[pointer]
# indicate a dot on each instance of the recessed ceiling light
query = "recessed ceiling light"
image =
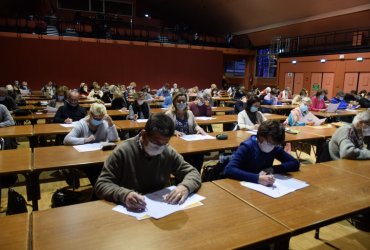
(359, 59)
(294, 61)
(323, 60)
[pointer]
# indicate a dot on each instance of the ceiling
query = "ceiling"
(252, 16)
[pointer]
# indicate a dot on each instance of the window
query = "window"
(120, 7)
(235, 68)
(265, 63)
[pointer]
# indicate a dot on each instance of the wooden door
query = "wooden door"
(364, 82)
(316, 79)
(350, 82)
(298, 83)
(289, 77)
(328, 83)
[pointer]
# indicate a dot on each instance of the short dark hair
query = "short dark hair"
(160, 123)
(272, 129)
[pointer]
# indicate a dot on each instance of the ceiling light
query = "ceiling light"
(294, 61)
(147, 15)
(359, 59)
(323, 60)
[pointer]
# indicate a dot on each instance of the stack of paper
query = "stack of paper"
(204, 118)
(196, 137)
(68, 125)
(89, 147)
(141, 120)
(156, 206)
(282, 186)
(312, 118)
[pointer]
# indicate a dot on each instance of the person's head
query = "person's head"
(303, 93)
(362, 122)
(320, 94)
(202, 98)
(305, 103)
(3, 93)
(273, 93)
(287, 88)
(242, 90)
(97, 113)
(62, 93)
(146, 88)
(268, 90)
(112, 89)
(362, 93)
(132, 85)
(213, 86)
(24, 84)
(270, 134)
(179, 102)
(340, 95)
(9, 87)
(253, 104)
(73, 97)
(139, 98)
(157, 133)
(175, 85)
(117, 94)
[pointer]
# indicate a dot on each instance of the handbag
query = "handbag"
(16, 203)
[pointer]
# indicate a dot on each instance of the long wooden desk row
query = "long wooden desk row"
(232, 216)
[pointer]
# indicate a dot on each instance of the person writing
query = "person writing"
(250, 118)
(144, 164)
(253, 160)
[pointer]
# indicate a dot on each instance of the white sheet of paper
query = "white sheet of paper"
(51, 109)
(312, 118)
(68, 125)
(253, 132)
(267, 114)
(88, 147)
(157, 208)
(141, 120)
(196, 137)
(204, 118)
(283, 185)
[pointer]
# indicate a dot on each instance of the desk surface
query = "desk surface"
(279, 107)
(15, 161)
(312, 132)
(353, 166)
(14, 232)
(223, 222)
(335, 114)
(50, 129)
(331, 196)
(16, 131)
(55, 157)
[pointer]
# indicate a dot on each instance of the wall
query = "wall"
(70, 62)
(311, 64)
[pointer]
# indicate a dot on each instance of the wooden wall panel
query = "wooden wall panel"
(328, 83)
(298, 83)
(364, 82)
(350, 82)
(316, 78)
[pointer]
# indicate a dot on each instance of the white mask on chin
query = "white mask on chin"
(266, 147)
(366, 131)
(153, 149)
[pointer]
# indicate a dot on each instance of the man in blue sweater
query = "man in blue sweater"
(339, 98)
(254, 158)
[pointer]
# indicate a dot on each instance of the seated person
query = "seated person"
(201, 107)
(108, 94)
(7, 100)
(250, 118)
(239, 93)
(339, 98)
(271, 99)
(365, 100)
(61, 96)
(240, 104)
(96, 93)
(6, 118)
(285, 94)
(298, 98)
(147, 96)
(348, 140)
(49, 89)
(118, 101)
(83, 90)
(298, 113)
(71, 111)
(167, 102)
(24, 89)
(126, 175)
(164, 91)
(185, 124)
(96, 127)
(351, 96)
(318, 101)
(139, 109)
(254, 158)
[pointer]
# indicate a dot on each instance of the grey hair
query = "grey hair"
(363, 116)
(306, 100)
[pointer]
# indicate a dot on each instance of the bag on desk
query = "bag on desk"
(16, 203)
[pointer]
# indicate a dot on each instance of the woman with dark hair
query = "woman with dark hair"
(318, 101)
(250, 118)
(139, 109)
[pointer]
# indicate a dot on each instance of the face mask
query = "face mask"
(60, 97)
(140, 102)
(254, 109)
(200, 103)
(2, 98)
(266, 147)
(96, 122)
(181, 106)
(153, 149)
(303, 108)
(340, 98)
(322, 97)
(366, 131)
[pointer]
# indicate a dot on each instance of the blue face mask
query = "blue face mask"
(181, 106)
(96, 122)
(303, 108)
(253, 109)
(200, 103)
(341, 98)
(322, 97)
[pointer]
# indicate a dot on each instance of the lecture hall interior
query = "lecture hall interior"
(84, 83)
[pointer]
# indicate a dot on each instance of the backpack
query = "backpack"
(16, 203)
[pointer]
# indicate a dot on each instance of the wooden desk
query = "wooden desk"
(129, 124)
(50, 129)
(118, 113)
(315, 132)
(15, 161)
(16, 131)
(214, 109)
(218, 119)
(279, 107)
(360, 167)
(275, 117)
(332, 196)
(335, 114)
(223, 222)
(15, 232)
(220, 98)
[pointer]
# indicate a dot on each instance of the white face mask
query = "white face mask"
(266, 147)
(366, 131)
(153, 149)
(140, 102)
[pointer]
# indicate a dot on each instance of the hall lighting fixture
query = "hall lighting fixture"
(359, 59)
(294, 61)
(323, 60)
(147, 15)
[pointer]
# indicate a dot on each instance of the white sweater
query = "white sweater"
(245, 123)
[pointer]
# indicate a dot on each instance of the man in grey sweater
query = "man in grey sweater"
(348, 141)
(143, 164)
